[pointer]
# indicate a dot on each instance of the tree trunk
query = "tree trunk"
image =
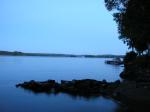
(148, 49)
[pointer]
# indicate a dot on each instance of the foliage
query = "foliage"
(133, 19)
(137, 68)
(129, 57)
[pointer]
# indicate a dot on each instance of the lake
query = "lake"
(18, 69)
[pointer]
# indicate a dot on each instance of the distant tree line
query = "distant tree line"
(133, 19)
(18, 53)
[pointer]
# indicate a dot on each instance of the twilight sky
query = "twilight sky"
(58, 26)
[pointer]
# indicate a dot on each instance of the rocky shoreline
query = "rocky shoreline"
(125, 92)
(85, 87)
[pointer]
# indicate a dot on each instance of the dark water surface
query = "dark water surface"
(14, 70)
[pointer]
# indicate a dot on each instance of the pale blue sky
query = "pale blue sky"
(58, 26)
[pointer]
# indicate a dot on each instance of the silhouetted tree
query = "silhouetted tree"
(133, 19)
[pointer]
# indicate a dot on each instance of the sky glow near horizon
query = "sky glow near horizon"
(58, 26)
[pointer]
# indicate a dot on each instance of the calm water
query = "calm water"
(14, 70)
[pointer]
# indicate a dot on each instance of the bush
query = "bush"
(129, 57)
(136, 67)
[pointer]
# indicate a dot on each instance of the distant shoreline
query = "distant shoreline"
(17, 53)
